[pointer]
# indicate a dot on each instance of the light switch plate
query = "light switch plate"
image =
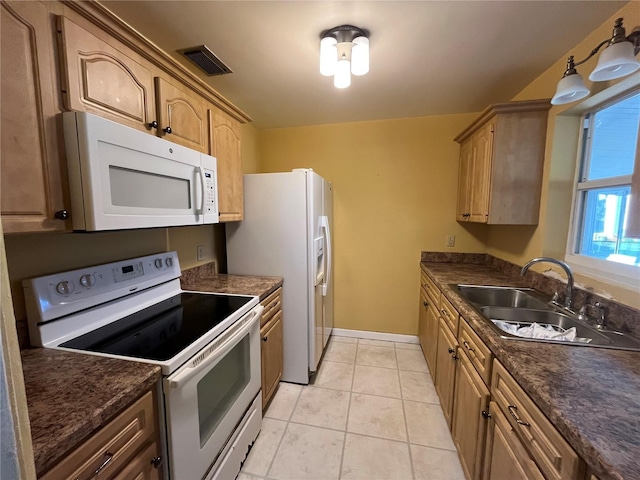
(200, 253)
(451, 241)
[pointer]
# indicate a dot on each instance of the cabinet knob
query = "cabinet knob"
(425, 304)
(451, 350)
(486, 414)
(153, 124)
(62, 215)
(265, 338)
(167, 130)
(156, 462)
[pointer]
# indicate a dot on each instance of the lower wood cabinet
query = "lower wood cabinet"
(505, 455)
(271, 348)
(126, 448)
(446, 360)
(470, 414)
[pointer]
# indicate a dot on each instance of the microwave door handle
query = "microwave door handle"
(183, 375)
(200, 209)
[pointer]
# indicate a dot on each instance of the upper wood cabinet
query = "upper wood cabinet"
(33, 177)
(104, 77)
(501, 162)
(182, 116)
(226, 147)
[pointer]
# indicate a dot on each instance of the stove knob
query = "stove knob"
(158, 263)
(64, 288)
(87, 280)
(169, 261)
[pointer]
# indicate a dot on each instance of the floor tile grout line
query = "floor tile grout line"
(275, 453)
(406, 426)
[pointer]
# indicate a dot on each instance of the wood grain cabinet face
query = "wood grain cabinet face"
(271, 345)
(122, 449)
(501, 161)
(105, 78)
(447, 358)
(505, 456)
(469, 423)
(226, 147)
(428, 332)
(182, 116)
(33, 187)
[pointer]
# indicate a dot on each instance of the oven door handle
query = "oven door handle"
(187, 372)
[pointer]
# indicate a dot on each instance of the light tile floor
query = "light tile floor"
(372, 413)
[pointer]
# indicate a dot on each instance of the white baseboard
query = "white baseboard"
(389, 337)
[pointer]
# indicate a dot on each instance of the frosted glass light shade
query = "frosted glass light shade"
(342, 78)
(328, 56)
(615, 61)
(360, 56)
(570, 89)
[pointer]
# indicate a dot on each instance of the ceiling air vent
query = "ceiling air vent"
(206, 60)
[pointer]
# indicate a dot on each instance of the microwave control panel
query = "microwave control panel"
(210, 192)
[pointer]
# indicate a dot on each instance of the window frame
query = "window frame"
(608, 271)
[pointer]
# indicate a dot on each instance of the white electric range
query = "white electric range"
(207, 345)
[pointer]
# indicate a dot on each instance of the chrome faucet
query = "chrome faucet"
(567, 270)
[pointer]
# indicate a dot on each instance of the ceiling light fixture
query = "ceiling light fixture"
(344, 51)
(616, 60)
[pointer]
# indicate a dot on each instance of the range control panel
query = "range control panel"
(64, 293)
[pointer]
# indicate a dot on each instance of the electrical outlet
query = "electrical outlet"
(200, 252)
(451, 240)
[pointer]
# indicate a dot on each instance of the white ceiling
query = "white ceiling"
(427, 57)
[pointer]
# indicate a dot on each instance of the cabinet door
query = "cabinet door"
(464, 182)
(182, 116)
(422, 321)
(505, 456)
(447, 357)
(481, 174)
(33, 187)
(141, 467)
(271, 354)
(430, 346)
(469, 423)
(226, 147)
(102, 77)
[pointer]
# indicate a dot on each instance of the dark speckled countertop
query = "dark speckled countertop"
(591, 395)
(71, 395)
(204, 279)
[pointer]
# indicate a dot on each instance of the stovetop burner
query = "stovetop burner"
(163, 330)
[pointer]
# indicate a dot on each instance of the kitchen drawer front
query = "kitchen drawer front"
(554, 456)
(432, 291)
(479, 354)
(449, 315)
(271, 305)
(112, 447)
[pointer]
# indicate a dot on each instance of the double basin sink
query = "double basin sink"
(509, 311)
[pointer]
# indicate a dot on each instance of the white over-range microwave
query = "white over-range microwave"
(122, 178)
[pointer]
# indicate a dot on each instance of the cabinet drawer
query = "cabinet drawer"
(449, 315)
(430, 288)
(113, 446)
(554, 456)
(479, 354)
(271, 305)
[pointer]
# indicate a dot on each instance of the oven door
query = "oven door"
(207, 397)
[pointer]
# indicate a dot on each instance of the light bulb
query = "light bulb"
(328, 56)
(342, 78)
(360, 56)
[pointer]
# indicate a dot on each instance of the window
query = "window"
(598, 242)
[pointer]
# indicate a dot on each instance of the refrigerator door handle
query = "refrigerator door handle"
(324, 223)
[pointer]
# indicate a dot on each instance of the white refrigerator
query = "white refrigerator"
(286, 232)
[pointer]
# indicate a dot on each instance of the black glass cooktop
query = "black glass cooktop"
(163, 330)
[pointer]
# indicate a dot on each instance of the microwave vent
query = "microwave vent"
(206, 60)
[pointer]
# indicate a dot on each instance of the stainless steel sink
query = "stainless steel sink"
(502, 297)
(524, 306)
(559, 322)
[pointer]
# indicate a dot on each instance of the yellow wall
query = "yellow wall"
(395, 184)
(520, 244)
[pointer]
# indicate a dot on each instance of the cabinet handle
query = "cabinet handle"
(451, 350)
(265, 338)
(104, 464)
(153, 124)
(512, 410)
(466, 345)
(445, 313)
(486, 414)
(156, 462)
(167, 130)
(426, 304)
(62, 215)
